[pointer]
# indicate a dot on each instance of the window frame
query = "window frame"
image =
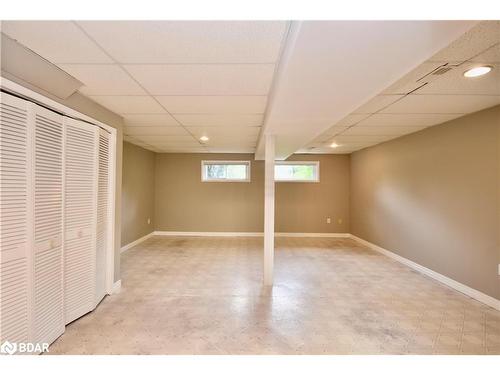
(299, 162)
(248, 163)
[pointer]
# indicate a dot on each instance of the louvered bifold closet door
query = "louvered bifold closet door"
(48, 317)
(80, 202)
(14, 220)
(103, 207)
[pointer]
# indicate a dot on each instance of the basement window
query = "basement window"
(296, 171)
(225, 171)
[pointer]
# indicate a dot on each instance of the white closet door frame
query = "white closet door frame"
(34, 96)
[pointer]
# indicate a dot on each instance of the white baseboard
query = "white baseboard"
(136, 242)
(117, 287)
(328, 235)
(249, 234)
(208, 234)
(473, 293)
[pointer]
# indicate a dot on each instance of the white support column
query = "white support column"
(269, 211)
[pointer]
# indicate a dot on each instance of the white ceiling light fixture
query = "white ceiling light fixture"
(334, 145)
(478, 71)
(204, 138)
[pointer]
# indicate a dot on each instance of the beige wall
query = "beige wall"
(90, 108)
(138, 192)
(433, 197)
(305, 207)
(184, 203)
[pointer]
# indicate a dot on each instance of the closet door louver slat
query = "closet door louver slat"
(14, 221)
(103, 207)
(48, 312)
(80, 218)
(55, 228)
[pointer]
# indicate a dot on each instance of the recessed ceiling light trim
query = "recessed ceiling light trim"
(478, 71)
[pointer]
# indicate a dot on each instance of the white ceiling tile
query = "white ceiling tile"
(349, 120)
(231, 149)
(129, 104)
(225, 131)
(220, 120)
(138, 143)
(146, 119)
(322, 138)
(415, 78)
(453, 82)
(177, 144)
(382, 130)
(57, 41)
(317, 144)
(202, 79)
(132, 140)
(165, 138)
(377, 103)
(234, 138)
(189, 41)
(214, 104)
(491, 55)
(235, 144)
(103, 79)
(476, 40)
(154, 130)
(182, 150)
(412, 119)
(327, 150)
(340, 126)
(442, 104)
(359, 139)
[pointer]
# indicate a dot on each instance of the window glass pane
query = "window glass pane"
(225, 171)
(296, 172)
(236, 172)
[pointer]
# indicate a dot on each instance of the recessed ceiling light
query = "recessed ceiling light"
(334, 145)
(204, 138)
(477, 71)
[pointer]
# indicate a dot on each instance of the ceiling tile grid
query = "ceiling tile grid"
(421, 98)
(103, 79)
(169, 78)
(204, 79)
(189, 42)
(193, 104)
(190, 79)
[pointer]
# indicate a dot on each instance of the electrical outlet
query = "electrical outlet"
(328, 220)
(149, 220)
(339, 221)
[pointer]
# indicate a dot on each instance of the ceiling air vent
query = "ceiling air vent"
(441, 70)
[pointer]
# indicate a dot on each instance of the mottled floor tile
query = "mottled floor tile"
(204, 295)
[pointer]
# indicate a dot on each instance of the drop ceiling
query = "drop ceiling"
(310, 83)
(420, 98)
(172, 82)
